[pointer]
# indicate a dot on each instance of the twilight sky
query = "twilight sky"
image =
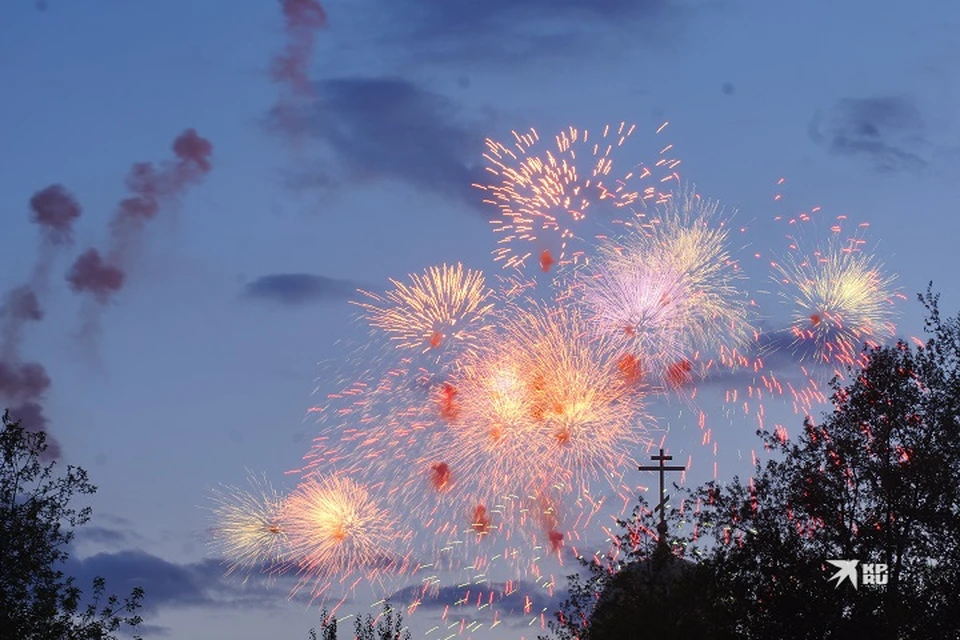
(202, 361)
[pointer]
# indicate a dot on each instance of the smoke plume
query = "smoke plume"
(24, 384)
(303, 18)
(101, 276)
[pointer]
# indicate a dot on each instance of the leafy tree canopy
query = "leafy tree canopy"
(387, 626)
(878, 481)
(37, 522)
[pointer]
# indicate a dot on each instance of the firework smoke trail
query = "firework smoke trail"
(336, 529)
(840, 298)
(302, 18)
(543, 193)
(247, 531)
(151, 187)
(442, 310)
(669, 291)
(290, 68)
(55, 210)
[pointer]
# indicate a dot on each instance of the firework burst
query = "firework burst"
(543, 191)
(668, 289)
(543, 405)
(443, 307)
(335, 529)
(247, 529)
(839, 296)
(518, 446)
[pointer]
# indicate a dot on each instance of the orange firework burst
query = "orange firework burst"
(542, 404)
(445, 305)
(335, 528)
(247, 529)
(542, 191)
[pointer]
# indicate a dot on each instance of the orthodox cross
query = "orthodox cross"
(662, 506)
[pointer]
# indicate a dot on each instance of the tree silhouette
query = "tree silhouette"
(387, 626)
(878, 482)
(37, 601)
(642, 589)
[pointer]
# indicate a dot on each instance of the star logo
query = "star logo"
(847, 570)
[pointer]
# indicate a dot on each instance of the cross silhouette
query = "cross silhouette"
(662, 506)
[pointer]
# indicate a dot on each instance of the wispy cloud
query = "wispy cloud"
(104, 535)
(154, 631)
(517, 30)
(887, 132)
(388, 129)
(294, 289)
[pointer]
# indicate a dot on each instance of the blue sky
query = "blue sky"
(204, 366)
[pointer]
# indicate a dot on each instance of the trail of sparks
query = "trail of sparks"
(542, 194)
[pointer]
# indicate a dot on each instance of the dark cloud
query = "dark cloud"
(885, 131)
(110, 531)
(517, 29)
(298, 288)
(167, 584)
(513, 602)
(388, 129)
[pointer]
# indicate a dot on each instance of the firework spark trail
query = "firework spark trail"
(544, 193)
(54, 210)
(442, 310)
(103, 276)
(376, 428)
(668, 289)
(337, 529)
(247, 531)
(383, 431)
(302, 18)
